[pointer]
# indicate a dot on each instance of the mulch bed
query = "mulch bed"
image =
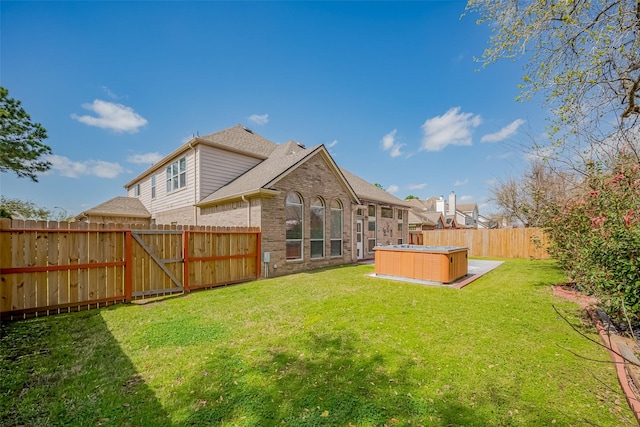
(627, 371)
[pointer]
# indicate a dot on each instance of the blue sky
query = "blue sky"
(390, 88)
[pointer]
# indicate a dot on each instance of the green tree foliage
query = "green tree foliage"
(411, 196)
(21, 147)
(596, 236)
(16, 208)
(584, 55)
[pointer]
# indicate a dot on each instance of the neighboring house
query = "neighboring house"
(455, 216)
(421, 218)
(467, 214)
(487, 223)
(311, 212)
(122, 210)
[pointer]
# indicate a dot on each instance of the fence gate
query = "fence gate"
(47, 268)
(157, 262)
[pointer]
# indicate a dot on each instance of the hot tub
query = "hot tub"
(443, 264)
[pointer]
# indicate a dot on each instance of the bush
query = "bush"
(596, 238)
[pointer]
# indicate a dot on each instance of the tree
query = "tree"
(528, 200)
(23, 209)
(21, 147)
(411, 196)
(379, 186)
(585, 57)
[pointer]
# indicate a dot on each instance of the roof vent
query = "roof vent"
(247, 129)
(301, 145)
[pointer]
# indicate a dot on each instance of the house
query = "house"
(123, 210)
(421, 218)
(311, 212)
(455, 215)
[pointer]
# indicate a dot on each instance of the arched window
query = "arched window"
(317, 228)
(294, 209)
(336, 228)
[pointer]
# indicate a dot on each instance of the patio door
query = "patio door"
(359, 243)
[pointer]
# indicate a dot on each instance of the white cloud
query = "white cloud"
(117, 117)
(389, 140)
(109, 93)
(393, 189)
(465, 198)
(67, 167)
(452, 128)
(417, 186)
(332, 143)
(145, 159)
(492, 181)
(458, 183)
(389, 143)
(259, 119)
(505, 132)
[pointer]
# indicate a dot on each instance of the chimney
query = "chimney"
(440, 206)
(452, 204)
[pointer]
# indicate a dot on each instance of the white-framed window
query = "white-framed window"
(400, 226)
(400, 213)
(177, 175)
(153, 186)
(294, 208)
(136, 190)
(317, 228)
(337, 226)
(386, 212)
(371, 244)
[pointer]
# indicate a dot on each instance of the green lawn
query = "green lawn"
(331, 347)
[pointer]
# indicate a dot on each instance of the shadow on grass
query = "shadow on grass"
(69, 370)
(328, 382)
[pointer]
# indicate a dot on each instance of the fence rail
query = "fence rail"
(500, 243)
(49, 267)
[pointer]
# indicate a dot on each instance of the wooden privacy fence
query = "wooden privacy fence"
(47, 268)
(498, 243)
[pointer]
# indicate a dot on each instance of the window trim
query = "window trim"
(300, 241)
(339, 208)
(153, 186)
(313, 206)
(386, 212)
(176, 175)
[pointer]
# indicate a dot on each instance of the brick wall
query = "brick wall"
(182, 216)
(311, 179)
(232, 214)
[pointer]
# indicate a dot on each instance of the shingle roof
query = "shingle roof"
(120, 206)
(466, 207)
(262, 176)
(236, 138)
(368, 191)
(418, 218)
(239, 138)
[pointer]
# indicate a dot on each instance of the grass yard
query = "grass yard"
(331, 347)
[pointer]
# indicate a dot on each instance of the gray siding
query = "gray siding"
(219, 167)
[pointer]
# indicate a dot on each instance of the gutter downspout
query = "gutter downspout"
(248, 209)
(195, 184)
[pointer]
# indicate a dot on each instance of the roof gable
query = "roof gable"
(284, 159)
(237, 139)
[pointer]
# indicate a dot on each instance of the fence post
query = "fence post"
(185, 261)
(128, 265)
